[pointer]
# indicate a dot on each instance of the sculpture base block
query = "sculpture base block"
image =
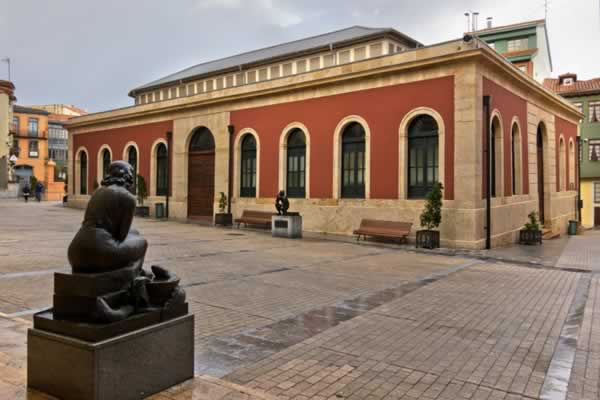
(286, 226)
(128, 367)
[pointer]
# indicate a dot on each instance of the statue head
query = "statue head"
(120, 173)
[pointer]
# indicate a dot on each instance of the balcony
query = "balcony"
(32, 133)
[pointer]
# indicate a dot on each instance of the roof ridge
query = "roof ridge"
(269, 47)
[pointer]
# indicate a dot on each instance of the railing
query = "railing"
(32, 133)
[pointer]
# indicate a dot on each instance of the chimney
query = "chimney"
(489, 22)
(468, 15)
(475, 21)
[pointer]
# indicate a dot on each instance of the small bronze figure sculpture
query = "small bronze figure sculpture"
(107, 249)
(282, 204)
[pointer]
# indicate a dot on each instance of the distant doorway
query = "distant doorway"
(540, 171)
(201, 174)
(23, 174)
(597, 217)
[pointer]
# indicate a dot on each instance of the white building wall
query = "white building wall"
(542, 67)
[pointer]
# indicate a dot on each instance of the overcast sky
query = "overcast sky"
(90, 53)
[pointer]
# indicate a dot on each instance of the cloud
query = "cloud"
(276, 14)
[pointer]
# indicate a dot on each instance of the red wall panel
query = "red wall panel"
(142, 135)
(569, 131)
(510, 105)
(382, 108)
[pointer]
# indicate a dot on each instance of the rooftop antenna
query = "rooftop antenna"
(546, 10)
(468, 15)
(475, 21)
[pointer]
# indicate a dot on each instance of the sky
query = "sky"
(90, 53)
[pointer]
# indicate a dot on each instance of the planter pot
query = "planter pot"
(223, 219)
(142, 211)
(530, 237)
(428, 239)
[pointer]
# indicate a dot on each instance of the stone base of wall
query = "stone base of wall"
(461, 227)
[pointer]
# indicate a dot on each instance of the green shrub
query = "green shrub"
(431, 217)
(142, 189)
(222, 202)
(533, 224)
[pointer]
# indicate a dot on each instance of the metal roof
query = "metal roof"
(281, 51)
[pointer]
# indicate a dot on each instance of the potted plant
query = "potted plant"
(223, 218)
(142, 193)
(531, 232)
(431, 218)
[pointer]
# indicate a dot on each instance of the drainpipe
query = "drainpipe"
(579, 201)
(231, 130)
(169, 147)
(488, 184)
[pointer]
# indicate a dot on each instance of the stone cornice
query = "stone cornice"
(427, 57)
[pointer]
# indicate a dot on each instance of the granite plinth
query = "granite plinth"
(94, 332)
(127, 367)
(286, 226)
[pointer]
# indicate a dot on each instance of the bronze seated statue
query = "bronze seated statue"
(107, 258)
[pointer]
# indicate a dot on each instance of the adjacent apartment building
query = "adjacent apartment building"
(585, 96)
(30, 147)
(357, 123)
(525, 44)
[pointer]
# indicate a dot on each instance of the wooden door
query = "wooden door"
(597, 216)
(201, 184)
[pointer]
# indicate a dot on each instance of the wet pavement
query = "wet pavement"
(327, 319)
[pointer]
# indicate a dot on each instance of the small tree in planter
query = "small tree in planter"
(142, 194)
(531, 232)
(431, 218)
(222, 217)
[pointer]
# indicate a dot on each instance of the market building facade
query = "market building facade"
(357, 124)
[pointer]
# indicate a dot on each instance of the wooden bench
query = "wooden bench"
(385, 229)
(251, 217)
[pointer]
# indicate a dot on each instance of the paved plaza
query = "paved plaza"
(332, 319)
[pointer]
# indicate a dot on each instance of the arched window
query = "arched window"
(132, 160)
(162, 160)
(83, 172)
(105, 162)
(516, 163)
(571, 165)
(353, 161)
(562, 179)
(202, 140)
(248, 173)
(296, 164)
(496, 158)
(423, 160)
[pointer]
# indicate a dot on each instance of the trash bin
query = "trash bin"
(572, 228)
(159, 210)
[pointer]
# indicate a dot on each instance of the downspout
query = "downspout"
(579, 159)
(231, 130)
(169, 147)
(488, 182)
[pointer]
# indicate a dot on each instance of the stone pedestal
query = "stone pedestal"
(286, 226)
(128, 367)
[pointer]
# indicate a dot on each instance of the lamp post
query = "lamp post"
(169, 150)
(487, 100)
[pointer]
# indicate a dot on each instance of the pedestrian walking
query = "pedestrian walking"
(26, 192)
(39, 190)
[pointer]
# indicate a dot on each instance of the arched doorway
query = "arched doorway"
(540, 170)
(201, 174)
